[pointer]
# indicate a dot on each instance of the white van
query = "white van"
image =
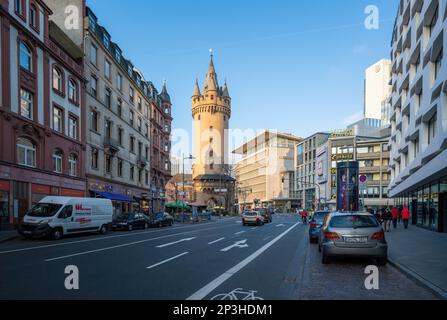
(59, 216)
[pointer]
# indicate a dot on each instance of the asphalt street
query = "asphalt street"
(217, 260)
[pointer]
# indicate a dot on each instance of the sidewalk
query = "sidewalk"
(421, 254)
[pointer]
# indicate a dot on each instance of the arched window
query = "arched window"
(57, 79)
(26, 152)
(73, 165)
(72, 90)
(33, 16)
(57, 161)
(25, 56)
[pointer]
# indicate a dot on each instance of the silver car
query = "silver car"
(352, 234)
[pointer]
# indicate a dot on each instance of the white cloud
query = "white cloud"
(353, 118)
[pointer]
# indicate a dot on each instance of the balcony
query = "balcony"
(111, 145)
(142, 162)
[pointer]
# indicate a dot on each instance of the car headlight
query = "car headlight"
(45, 221)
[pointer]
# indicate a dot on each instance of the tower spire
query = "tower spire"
(211, 77)
(196, 89)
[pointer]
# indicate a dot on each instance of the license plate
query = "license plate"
(27, 232)
(356, 239)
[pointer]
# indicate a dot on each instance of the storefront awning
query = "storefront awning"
(113, 196)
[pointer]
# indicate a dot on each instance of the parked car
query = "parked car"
(131, 221)
(347, 234)
(162, 219)
(252, 218)
(315, 224)
(58, 216)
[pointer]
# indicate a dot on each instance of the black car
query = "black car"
(130, 221)
(162, 219)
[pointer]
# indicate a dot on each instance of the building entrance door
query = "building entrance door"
(443, 212)
(414, 211)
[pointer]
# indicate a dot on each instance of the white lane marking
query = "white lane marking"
(254, 228)
(167, 260)
(126, 244)
(110, 237)
(238, 233)
(280, 225)
(175, 242)
(239, 244)
(206, 290)
(216, 241)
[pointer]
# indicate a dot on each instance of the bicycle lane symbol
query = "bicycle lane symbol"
(238, 294)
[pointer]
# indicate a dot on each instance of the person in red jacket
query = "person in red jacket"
(405, 216)
(395, 215)
(304, 216)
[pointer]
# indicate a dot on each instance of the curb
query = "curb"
(442, 294)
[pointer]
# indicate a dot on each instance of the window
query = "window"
(107, 70)
(106, 41)
(73, 165)
(131, 95)
(166, 110)
(94, 158)
(166, 128)
(26, 104)
(72, 127)
(19, 7)
(26, 152)
(120, 136)
(438, 64)
(108, 98)
(33, 16)
(57, 79)
(72, 91)
(108, 130)
(119, 107)
(57, 161)
(139, 124)
(25, 59)
(140, 104)
(57, 119)
(140, 174)
(132, 173)
(94, 86)
(416, 147)
(146, 177)
(117, 55)
(120, 168)
(93, 55)
(433, 22)
(108, 163)
(94, 119)
(132, 144)
(431, 128)
(147, 131)
(131, 117)
(119, 82)
(92, 23)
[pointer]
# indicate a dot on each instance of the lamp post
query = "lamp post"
(190, 157)
(153, 190)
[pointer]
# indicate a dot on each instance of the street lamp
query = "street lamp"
(190, 157)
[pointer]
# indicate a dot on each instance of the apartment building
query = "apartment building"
(265, 172)
(42, 122)
(306, 167)
(419, 111)
(121, 106)
(377, 88)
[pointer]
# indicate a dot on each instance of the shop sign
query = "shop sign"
(4, 185)
(40, 189)
(342, 133)
(343, 156)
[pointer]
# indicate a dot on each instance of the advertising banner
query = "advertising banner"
(348, 186)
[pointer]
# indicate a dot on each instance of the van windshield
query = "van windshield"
(44, 210)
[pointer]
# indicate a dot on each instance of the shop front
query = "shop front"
(4, 204)
(428, 205)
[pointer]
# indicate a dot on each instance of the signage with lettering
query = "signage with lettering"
(342, 133)
(342, 156)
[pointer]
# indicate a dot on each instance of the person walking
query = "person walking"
(386, 217)
(405, 216)
(304, 216)
(395, 216)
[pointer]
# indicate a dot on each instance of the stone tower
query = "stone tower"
(211, 112)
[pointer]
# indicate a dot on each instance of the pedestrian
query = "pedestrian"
(386, 217)
(405, 216)
(395, 216)
(304, 216)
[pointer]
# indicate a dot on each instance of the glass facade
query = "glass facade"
(428, 205)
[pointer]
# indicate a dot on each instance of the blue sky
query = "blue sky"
(291, 65)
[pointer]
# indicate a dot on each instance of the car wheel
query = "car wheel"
(325, 259)
(103, 229)
(130, 227)
(57, 234)
(382, 261)
(319, 247)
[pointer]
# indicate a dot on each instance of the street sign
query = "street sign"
(363, 178)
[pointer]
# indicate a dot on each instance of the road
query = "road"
(206, 261)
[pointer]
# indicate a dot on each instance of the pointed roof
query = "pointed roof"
(211, 83)
(225, 93)
(164, 95)
(196, 89)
